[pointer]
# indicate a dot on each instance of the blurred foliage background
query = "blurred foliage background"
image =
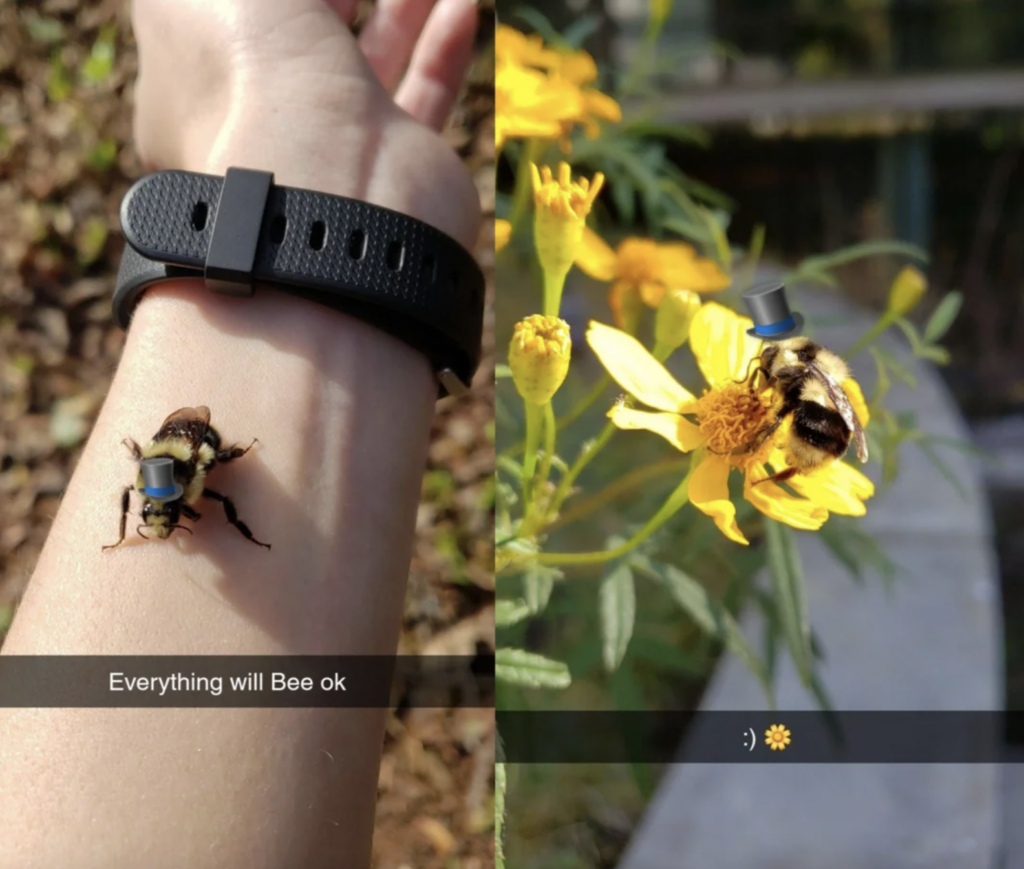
(66, 158)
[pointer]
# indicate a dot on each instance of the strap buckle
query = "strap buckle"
(231, 257)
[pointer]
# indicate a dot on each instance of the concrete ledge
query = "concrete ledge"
(933, 643)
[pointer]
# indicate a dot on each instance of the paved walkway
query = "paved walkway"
(933, 643)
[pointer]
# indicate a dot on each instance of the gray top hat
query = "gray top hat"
(158, 477)
(770, 312)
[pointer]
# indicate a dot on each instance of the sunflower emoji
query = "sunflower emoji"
(778, 737)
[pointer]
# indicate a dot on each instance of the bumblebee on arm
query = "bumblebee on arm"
(173, 468)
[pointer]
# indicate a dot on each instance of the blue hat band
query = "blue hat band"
(775, 328)
(160, 491)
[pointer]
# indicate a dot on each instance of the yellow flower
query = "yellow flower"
(502, 233)
(511, 46)
(539, 357)
(575, 68)
(907, 290)
(529, 103)
(727, 416)
(639, 266)
(562, 209)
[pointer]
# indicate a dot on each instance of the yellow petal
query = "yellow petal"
(709, 493)
(677, 430)
(856, 395)
(839, 488)
(502, 233)
(679, 267)
(720, 343)
(595, 257)
(636, 370)
(778, 504)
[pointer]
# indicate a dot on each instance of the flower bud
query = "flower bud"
(539, 357)
(562, 209)
(675, 314)
(907, 290)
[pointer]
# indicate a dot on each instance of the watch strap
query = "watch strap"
(241, 231)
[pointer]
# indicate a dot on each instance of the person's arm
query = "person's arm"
(342, 413)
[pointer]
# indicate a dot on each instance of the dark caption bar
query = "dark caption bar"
(195, 681)
(742, 737)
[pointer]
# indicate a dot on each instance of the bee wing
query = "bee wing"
(839, 398)
(189, 414)
(187, 423)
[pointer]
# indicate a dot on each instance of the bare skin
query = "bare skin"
(342, 414)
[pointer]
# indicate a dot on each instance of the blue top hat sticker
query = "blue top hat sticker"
(769, 309)
(158, 479)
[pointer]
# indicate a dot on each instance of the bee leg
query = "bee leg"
(133, 448)
(229, 511)
(235, 452)
(138, 530)
(182, 527)
(781, 476)
(190, 513)
(124, 517)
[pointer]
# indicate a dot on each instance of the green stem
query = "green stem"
(634, 479)
(675, 502)
(534, 423)
(886, 320)
(582, 407)
(553, 286)
(532, 153)
(549, 443)
(584, 459)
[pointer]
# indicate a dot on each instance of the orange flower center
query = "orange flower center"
(731, 416)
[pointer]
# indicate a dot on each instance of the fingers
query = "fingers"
(390, 35)
(439, 63)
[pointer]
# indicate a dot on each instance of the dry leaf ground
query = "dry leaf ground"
(66, 159)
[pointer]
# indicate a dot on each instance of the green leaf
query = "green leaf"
(510, 612)
(538, 583)
(936, 354)
(577, 33)
(687, 133)
(501, 371)
(103, 155)
(100, 62)
(519, 667)
(500, 786)
(790, 598)
(618, 614)
(943, 316)
(709, 614)
(826, 261)
(58, 80)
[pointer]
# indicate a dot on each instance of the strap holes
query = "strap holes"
(429, 269)
(317, 235)
(396, 255)
(200, 211)
(277, 228)
(357, 244)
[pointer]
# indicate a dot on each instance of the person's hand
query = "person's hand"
(284, 86)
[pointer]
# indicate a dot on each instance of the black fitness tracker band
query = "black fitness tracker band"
(242, 230)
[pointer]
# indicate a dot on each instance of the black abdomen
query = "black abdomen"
(821, 427)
